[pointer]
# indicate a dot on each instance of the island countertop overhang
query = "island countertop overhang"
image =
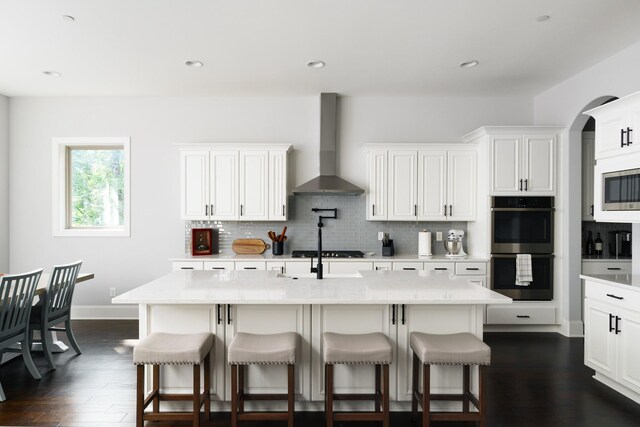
(269, 287)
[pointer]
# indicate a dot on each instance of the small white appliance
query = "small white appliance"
(453, 244)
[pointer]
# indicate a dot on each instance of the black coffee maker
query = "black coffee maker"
(620, 244)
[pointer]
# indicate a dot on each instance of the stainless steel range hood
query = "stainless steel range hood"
(328, 182)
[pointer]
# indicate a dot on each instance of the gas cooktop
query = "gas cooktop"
(327, 254)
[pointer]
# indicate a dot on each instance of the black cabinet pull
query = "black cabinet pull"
(250, 268)
(219, 313)
(228, 314)
(445, 210)
(415, 210)
(206, 210)
(523, 316)
(217, 268)
(526, 185)
(283, 210)
(617, 324)
(441, 269)
(614, 268)
(622, 132)
(629, 142)
(241, 210)
(186, 268)
(211, 209)
(450, 210)
(408, 268)
(520, 185)
(373, 210)
(611, 329)
(615, 296)
(591, 210)
(403, 314)
(393, 314)
(472, 269)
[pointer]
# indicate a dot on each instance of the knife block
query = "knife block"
(388, 249)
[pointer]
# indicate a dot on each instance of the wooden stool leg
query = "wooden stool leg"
(482, 396)
(328, 389)
(415, 370)
(196, 395)
(377, 388)
(241, 372)
(465, 388)
(234, 395)
(156, 388)
(207, 387)
(139, 395)
(426, 395)
(291, 391)
(385, 396)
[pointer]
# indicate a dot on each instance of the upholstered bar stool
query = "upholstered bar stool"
(262, 349)
(347, 349)
(173, 349)
(449, 349)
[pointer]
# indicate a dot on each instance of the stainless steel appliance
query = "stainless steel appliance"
(453, 244)
(522, 225)
(621, 190)
(620, 244)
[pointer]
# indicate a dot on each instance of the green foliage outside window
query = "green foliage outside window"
(96, 187)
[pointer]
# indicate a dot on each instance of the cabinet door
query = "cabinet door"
(273, 319)
(634, 124)
(433, 319)
(377, 175)
(588, 163)
(629, 350)
(277, 185)
(505, 164)
(403, 179)
(539, 164)
(599, 342)
(609, 136)
(224, 185)
(432, 189)
(194, 184)
(349, 319)
(461, 186)
(254, 185)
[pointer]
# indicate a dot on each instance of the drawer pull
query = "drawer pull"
(615, 296)
(186, 268)
(441, 268)
(250, 268)
(472, 269)
(614, 268)
(408, 268)
(217, 268)
(523, 316)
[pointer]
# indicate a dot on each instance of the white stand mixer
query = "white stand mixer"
(453, 244)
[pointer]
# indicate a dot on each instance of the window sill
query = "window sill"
(92, 232)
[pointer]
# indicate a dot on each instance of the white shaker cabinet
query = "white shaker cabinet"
(377, 179)
(588, 164)
(522, 159)
(223, 182)
(403, 182)
(461, 186)
(432, 185)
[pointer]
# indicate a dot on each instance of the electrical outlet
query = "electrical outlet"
(112, 292)
(438, 236)
(380, 235)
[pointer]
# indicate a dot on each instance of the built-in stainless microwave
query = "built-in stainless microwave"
(621, 190)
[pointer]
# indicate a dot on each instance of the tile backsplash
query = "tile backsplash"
(349, 232)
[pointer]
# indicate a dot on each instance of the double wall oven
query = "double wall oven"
(522, 225)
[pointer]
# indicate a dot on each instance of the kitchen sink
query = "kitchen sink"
(325, 276)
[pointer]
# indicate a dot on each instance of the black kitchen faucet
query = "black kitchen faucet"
(318, 268)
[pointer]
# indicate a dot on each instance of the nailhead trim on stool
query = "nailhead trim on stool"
(463, 349)
(350, 349)
(170, 349)
(262, 349)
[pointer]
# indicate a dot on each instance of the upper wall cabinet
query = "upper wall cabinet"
(522, 159)
(421, 183)
(226, 183)
(617, 127)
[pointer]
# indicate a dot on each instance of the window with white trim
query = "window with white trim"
(91, 187)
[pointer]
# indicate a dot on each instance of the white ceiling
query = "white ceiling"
(260, 47)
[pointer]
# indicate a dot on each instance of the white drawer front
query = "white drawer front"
(514, 315)
(471, 268)
(623, 298)
(298, 267)
(408, 266)
(187, 265)
(606, 267)
(218, 265)
(251, 265)
(349, 267)
(439, 266)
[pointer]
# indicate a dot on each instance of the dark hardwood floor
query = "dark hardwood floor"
(534, 380)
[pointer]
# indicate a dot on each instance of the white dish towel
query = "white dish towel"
(524, 275)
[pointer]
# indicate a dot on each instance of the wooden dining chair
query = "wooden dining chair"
(16, 299)
(56, 310)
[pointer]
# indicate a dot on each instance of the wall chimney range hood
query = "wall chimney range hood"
(328, 183)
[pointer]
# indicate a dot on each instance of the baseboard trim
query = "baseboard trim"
(90, 312)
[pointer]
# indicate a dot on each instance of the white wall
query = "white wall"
(154, 124)
(562, 105)
(4, 184)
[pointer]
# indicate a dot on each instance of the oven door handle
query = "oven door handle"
(514, 255)
(523, 209)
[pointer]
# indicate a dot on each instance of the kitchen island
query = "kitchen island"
(392, 302)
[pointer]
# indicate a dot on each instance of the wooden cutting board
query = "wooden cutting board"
(249, 246)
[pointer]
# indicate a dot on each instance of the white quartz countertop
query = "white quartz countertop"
(626, 281)
(269, 287)
(267, 256)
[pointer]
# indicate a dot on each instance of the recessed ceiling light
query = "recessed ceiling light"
(52, 73)
(543, 18)
(68, 18)
(315, 64)
(194, 64)
(469, 64)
